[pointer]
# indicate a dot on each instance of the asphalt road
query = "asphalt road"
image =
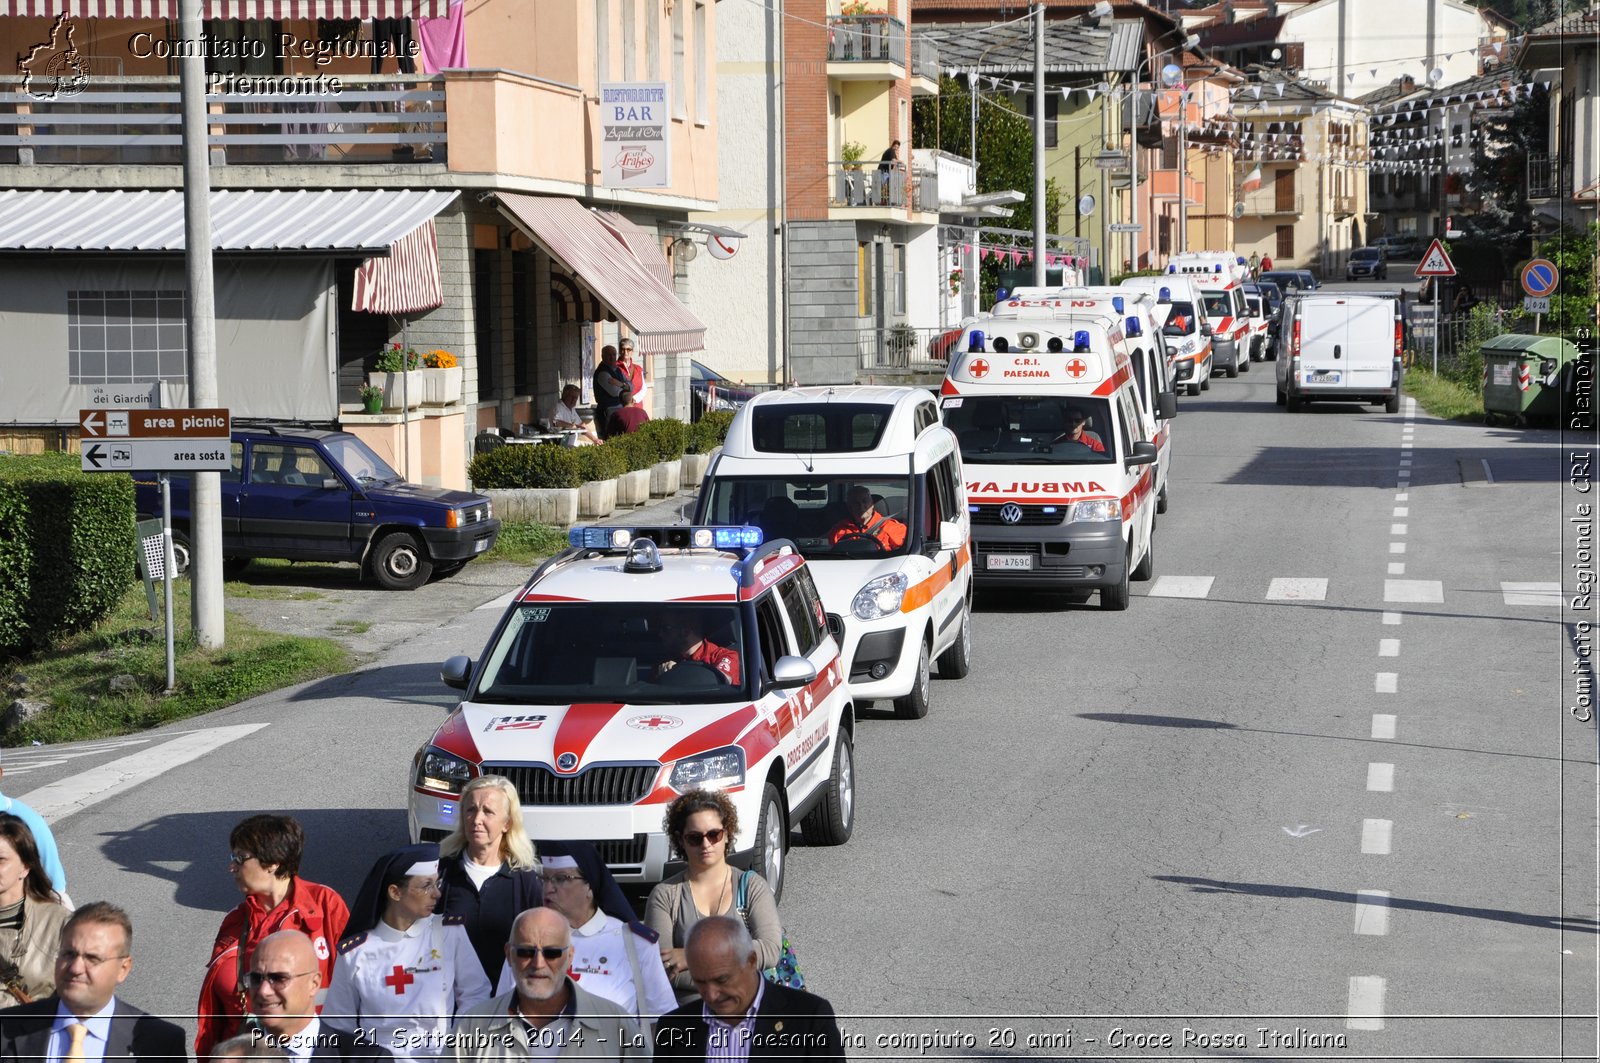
(1357, 808)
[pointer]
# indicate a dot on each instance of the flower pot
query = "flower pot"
(441, 387)
(665, 477)
(374, 404)
(633, 488)
(545, 505)
(597, 498)
(401, 391)
(694, 468)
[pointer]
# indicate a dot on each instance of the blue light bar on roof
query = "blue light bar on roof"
(975, 342)
(1217, 268)
(1131, 326)
(1241, 261)
(1080, 340)
(1116, 301)
(676, 536)
(1172, 268)
(1164, 295)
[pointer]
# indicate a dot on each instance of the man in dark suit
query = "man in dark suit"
(83, 1020)
(738, 1009)
(284, 978)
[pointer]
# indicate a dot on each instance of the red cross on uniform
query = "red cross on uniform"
(1076, 368)
(398, 980)
(654, 721)
(980, 368)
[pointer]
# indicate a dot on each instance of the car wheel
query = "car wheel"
(831, 822)
(1392, 405)
(1280, 396)
(233, 567)
(914, 706)
(182, 553)
(1116, 598)
(1161, 501)
(1147, 564)
(956, 662)
(1194, 389)
(1292, 403)
(1244, 366)
(398, 562)
(772, 840)
(1232, 371)
(1205, 383)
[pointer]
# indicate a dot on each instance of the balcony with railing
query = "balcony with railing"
(1343, 204)
(1548, 175)
(866, 190)
(900, 349)
(1266, 204)
(925, 68)
(866, 48)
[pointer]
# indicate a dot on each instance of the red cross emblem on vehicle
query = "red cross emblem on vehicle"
(979, 368)
(653, 722)
(398, 980)
(1076, 368)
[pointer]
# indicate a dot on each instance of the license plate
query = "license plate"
(480, 546)
(1323, 376)
(1022, 561)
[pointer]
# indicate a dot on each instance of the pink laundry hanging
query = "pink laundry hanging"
(443, 41)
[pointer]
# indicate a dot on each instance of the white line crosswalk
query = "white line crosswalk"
(1316, 589)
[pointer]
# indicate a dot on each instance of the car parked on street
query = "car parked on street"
(308, 494)
(1292, 280)
(710, 390)
(1366, 263)
(1399, 248)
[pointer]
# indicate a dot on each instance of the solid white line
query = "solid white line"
(1383, 725)
(1402, 511)
(1366, 1003)
(1386, 682)
(1181, 587)
(1397, 548)
(1487, 475)
(1372, 912)
(1380, 777)
(1413, 590)
(1388, 647)
(1397, 568)
(500, 602)
(1297, 589)
(89, 788)
(1391, 619)
(1397, 529)
(1376, 836)
(1532, 594)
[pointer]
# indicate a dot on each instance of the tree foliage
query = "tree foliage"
(1499, 177)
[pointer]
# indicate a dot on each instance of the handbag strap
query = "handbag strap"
(741, 897)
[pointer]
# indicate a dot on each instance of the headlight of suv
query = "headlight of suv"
(438, 770)
(1095, 509)
(880, 597)
(716, 770)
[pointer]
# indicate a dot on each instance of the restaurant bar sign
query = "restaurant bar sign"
(635, 124)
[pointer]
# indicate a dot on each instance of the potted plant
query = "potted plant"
(371, 398)
(441, 378)
(397, 370)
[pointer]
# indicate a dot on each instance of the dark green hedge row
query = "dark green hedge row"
(556, 467)
(69, 548)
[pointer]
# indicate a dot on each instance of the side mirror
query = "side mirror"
(332, 483)
(1143, 453)
(1206, 329)
(791, 672)
(1166, 405)
(950, 535)
(455, 671)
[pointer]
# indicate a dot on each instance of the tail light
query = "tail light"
(1294, 340)
(1399, 338)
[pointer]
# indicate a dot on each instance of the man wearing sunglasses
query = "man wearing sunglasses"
(83, 1019)
(547, 1013)
(283, 980)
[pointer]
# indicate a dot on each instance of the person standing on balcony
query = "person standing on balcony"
(886, 166)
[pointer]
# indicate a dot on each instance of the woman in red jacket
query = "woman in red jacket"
(265, 862)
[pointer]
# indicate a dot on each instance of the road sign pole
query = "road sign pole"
(166, 573)
(1436, 300)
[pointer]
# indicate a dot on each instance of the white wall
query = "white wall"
(741, 299)
(925, 285)
(1389, 36)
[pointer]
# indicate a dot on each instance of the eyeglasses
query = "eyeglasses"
(430, 886)
(551, 953)
(279, 979)
(72, 956)
(239, 859)
(696, 837)
(561, 880)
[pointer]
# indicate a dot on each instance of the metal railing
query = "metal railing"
(1548, 174)
(904, 348)
(1266, 203)
(925, 60)
(127, 121)
(866, 39)
(867, 184)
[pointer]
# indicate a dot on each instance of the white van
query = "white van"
(1184, 327)
(1217, 277)
(896, 574)
(1341, 347)
(1060, 473)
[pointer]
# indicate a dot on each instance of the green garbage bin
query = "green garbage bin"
(1522, 377)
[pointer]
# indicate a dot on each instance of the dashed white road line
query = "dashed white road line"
(1372, 912)
(1532, 594)
(1397, 529)
(1383, 725)
(1397, 568)
(1365, 1009)
(1386, 683)
(1402, 511)
(1380, 778)
(91, 787)
(1397, 548)
(1401, 496)
(1377, 835)
(1388, 647)
(1391, 619)
(1297, 590)
(1181, 586)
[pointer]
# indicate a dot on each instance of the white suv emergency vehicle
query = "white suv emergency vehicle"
(1220, 279)
(1184, 326)
(897, 584)
(1060, 476)
(643, 662)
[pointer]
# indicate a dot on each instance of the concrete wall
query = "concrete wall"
(1392, 38)
(822, 302)
(926, 285)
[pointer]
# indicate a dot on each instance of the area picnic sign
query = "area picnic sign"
(155, 440)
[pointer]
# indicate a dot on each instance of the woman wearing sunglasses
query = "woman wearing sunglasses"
(31, 918)
(264, 857)
(702, 825)
(404, 973)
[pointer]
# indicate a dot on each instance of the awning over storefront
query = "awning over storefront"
(240, 9)
(571, 234)
(406, 281)
(365, 220)
(645, 247)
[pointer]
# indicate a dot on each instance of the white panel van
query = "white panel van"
(1341, 347)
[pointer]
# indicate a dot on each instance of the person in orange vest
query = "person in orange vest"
(866, 521)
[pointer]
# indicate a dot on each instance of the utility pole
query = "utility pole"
(205, 559)
(1040, 272)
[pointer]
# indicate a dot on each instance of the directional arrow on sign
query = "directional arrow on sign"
(91, 423)
(94, 454)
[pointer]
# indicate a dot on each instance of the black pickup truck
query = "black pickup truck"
(314, 495)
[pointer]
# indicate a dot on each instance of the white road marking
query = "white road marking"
(1532, 594)
(1388, 647)
(1402, 511)
(1487, 473)
(1397, 548)
(1383, 725)
(1391, 619)
(1401, 497)
(1297, 589)
(1397, 529)
(1413, 590)
(1365, 1010)
(1397, 568)
(501, 602)
(1380, 777)
(89, 788)
(1377, 835)
(1181, 587)
(1404, 462)
(20, 762)
(1386, 682)
(1372, 912)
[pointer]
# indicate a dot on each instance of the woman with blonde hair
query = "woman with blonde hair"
(488, 871)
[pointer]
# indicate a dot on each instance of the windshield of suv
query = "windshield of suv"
(823, 515)
(359, 460)
(1180, 319)
(1218, 304)
(1365, 254)
(1031, 430)
(557, 653)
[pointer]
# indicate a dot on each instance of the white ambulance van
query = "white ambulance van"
(867, 482)
(1060, 474)
(1341, 347)
(1220, 282)
(1184, 328)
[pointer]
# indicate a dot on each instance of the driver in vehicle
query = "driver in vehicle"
(683, 637)
(1077, 432)
(865, 521)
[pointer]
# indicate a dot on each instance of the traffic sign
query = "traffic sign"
(156, 455)
(1126, 227)
(1436, 263)
(1110, 160)
(1540, 277)
(1536, 304)
(154, 424)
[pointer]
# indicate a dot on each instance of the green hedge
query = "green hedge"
(70, 551)
(707, 434)
(604, 462)
(548, 466)
(667, 436)
(509, 466)
(637, 450)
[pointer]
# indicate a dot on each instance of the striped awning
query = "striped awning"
(404, 282)
(240, 9)
(570, 233)
(645, 247)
